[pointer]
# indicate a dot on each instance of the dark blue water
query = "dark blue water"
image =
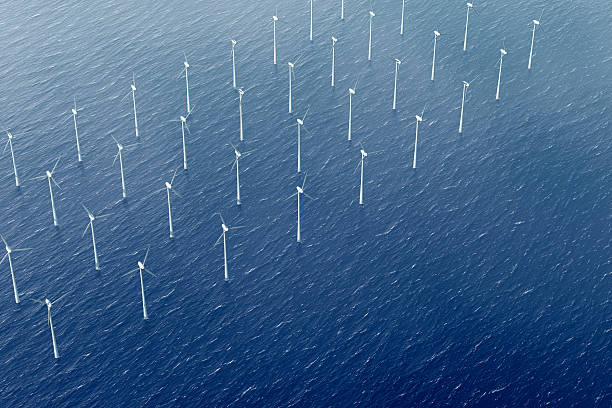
(482, 278)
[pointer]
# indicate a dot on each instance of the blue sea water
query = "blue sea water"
(482, 278)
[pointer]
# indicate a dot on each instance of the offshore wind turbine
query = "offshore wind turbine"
(9, 251)
(76, 131)
(133, 92)
(48, 303)
(402, 23)
(225, 229)
(433, 64)
(372, 14)
(502, 52)
(49, 176)
(234, 63)
(183, 120)
(300, 191)
(341, 9)
(168, 187)
(397, 64)
(274, 20)
(535, 24)
(141, 267)
(466, 85)
(351, 92)
(300, 123)
(119, 155)
(186, 71)
(240, 95)
(9, 143)
(237, 157)
(467, 19)
(419, 119)
(93, 235)
(310, 20)
(291, 75)
(333, 68)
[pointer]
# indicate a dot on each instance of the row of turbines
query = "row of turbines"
(168, 186)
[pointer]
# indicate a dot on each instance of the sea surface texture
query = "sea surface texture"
(482, 278)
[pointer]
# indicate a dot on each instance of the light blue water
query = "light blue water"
(482, 278)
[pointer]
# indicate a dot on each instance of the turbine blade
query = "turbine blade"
(55, 182)
(86, 228)
(38, 301)
(146, 256)
(234, 163)
(150, 273)
(176, 192)
(218, 240)
(3, 240)
(104, 216)
(187, 127)
(6, 146)
(116, 141)
(220, 216)
(60, 298)
(115, 159)
(358, 164)
(126, 95)
(306, 114)
(292, 195)
(3, 258)
(174, 176)
(130, 272)
(87, 209)
(304, 182)
(238, 227)
(312, 198)
(56, 163)
(22, 249)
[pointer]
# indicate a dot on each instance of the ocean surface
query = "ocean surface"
(482, 278)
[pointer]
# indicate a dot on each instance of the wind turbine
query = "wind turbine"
(48, 303)
(342, 10)
(76, 131)
(49, 176)
(9, 251)
(467, 19)
(502, 52)
(237, 155)
(141, 267)
(133, 92)
(466, 85)
(300, 123)
(361, 163)
(186, 71)
(433, 64)
(397, 64)
(372, 14)
(310, 20)
(535, 24)
(234, 62)
(93, 235)
(291, 75)
(350, 118)
(240, 95)
(169, 188)
(334, 40)
(9, 143)
(274, 20)
(402, 23)
(225, 229)
(300, 191)
(183, 120)
(419, 119)
(119, 155)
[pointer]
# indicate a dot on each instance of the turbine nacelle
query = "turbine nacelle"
(186, 64)
(225, 229)
(363, 153)
(436, 33)
(299, 190)
(275, 18)
(48, 173)
(351, 91)
(536, 22)
(398, 62)
(470, 5)
(503, 52)
(119, 146)
(140, 265)
(8, 249)
(133, 87)
(334, 40)
(238, 154)
(300, 122)
(290, 64)
(418, 118)
(74, 112)
(168, 186)
(233, 43)
(48, 303)
(183, 119)
(91, 217)
(372, 14)
(241, 92)
(465, 83)
(10, 135)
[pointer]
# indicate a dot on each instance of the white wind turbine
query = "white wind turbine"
(236, 164)
(90, 225)
(535, 24)
(433, 64)
(234, 63)
(300, 191)
(502, 52)
(168, 189)
(225, 229)
(372, 14)
(48, 303)
(361, 164)
(183, 120)
(141, 267)
(274, 20)
(397, 64)
(186, 71)
(119, 155)
(300, 123)
(240, 95)
(291, 76)
(419, 119)
(9, 143)
(467, 19)
(49, 176)
(342, 10)
(333, 69)
(466, 85)
(351, 92)
(310, 20)
(133, 92)
(402, 23)
(9, 251)
(76, 131)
